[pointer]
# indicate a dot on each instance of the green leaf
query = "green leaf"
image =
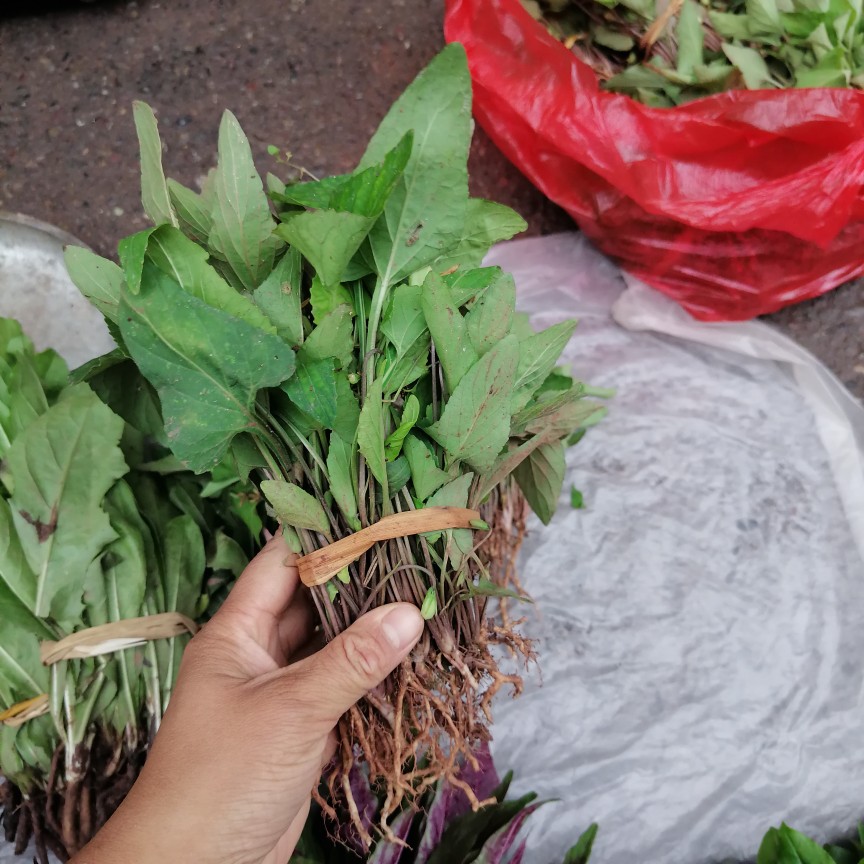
(242, 229)
(22, 675)
(186, 263)
(467, 285)
(370, 432)
(475, 423)
(486, 223)
(577, 501)
(400, 372)
(324, 300)
(749, 63)
(425, 215)
(125, 584)
(132, 250)
(324, 395)
(581, 852)
(487, 588)
(228, 555)
(185, 562)
(491, 317)
(454, 494)
(426, 476)
(468, 832)
(333, 337)
(363, 192)
(348, 207)
(398, 475)
(448, 329)
(62, 467)
(636, 78)
(154, 189)
(613, 39)
(541, 477)
(410, 416)
(17, 580)
(192, 212)
(567, 405)
(328, 239)
(206, 365)
(830, 71)
(22, 399)
(295, 507)
(278, 297)
(764, 17)
(537, 356)
(97, 278)
(730, 25)
(691, 37)
(429, 609)
(807, 850)
(340, 458)
(128, 393)
(404, 323)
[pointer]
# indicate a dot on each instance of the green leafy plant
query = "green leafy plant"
(98, 523)
(784, 845)
(668, 53)
(340, 339)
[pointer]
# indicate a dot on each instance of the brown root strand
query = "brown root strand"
(38, 833)
(69, 820)
(9, 801)
(23, 830)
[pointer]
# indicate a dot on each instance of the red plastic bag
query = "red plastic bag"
(734, 205)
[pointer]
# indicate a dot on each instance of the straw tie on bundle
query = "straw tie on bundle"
(320, 566)
(93, 642)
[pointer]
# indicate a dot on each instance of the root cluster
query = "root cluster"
(433, 712)
(63, 816)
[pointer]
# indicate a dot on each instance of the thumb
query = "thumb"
(356, 661)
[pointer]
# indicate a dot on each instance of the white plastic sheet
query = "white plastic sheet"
(699, 622)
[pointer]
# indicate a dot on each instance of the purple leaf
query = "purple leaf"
(387, 852)
(518, 854)
(450, 801)
(497, 849)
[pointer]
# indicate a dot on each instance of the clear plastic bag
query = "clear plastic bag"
(698, 623)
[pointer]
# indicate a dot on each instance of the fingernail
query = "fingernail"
(402, 626)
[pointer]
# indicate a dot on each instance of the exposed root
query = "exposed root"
(83, 805)
(433, 712)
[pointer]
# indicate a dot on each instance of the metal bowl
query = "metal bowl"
(36, 290)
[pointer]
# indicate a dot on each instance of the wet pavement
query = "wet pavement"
(312, 77)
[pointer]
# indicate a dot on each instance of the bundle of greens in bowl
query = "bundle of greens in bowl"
(98, 524)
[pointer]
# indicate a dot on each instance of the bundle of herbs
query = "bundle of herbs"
(99, 524)
(667, 52)
(339, 340)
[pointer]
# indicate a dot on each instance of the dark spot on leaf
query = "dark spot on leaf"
(414, 235)
(43, 529)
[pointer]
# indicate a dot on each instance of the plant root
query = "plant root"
(429, 716)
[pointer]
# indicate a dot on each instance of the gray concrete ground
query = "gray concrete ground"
(312, 77)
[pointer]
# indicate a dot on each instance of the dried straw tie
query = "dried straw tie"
(320, 566)
(104, 639)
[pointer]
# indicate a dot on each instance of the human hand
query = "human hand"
(250, 726)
